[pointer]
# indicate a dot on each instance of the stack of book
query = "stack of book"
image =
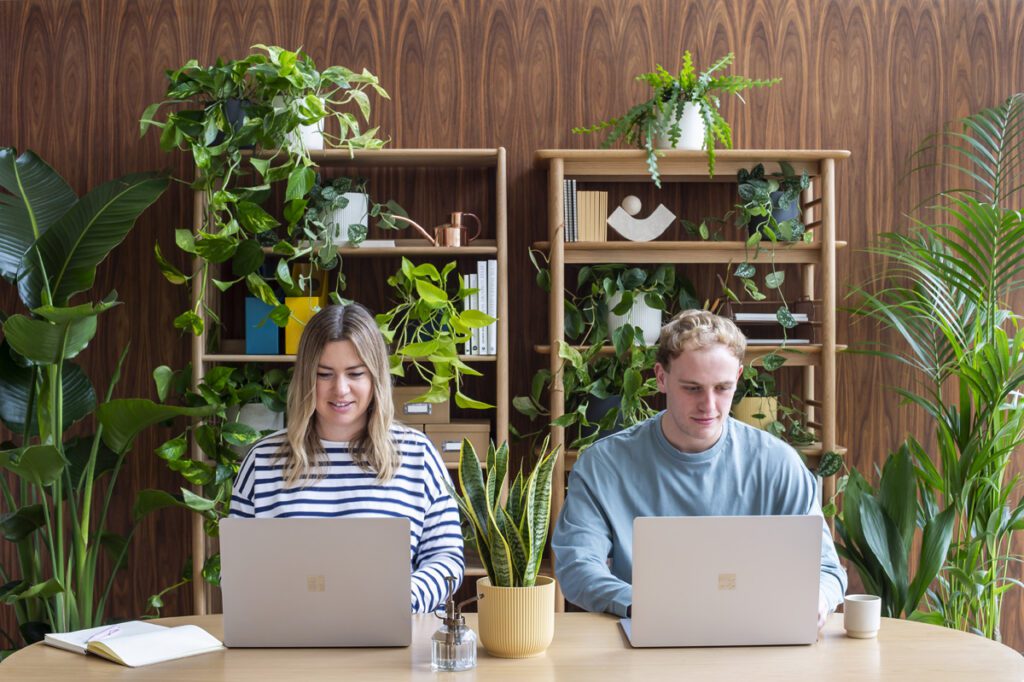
(483, 341)
(585, 214)
(759, 328)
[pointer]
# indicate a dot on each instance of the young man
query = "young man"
(690, 460)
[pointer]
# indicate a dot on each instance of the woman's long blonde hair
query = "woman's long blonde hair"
(375, 449)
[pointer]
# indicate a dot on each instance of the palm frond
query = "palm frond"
(988, 149)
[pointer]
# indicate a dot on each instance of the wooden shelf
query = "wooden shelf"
(687, 252)
(405, 158)
(796, 356)
(242, 357)
(416, 247)
(484, 168)
(630, 165)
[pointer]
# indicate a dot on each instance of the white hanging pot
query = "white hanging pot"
(691, 129)
(356, 212)
(640, 315)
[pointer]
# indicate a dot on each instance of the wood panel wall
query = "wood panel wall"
(872, 77)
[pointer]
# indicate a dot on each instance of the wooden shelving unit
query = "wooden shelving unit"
(816, 262)
(495, 246)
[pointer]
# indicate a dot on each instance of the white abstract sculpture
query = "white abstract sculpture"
(639, 229)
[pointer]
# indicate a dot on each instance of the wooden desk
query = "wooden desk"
(586, 647)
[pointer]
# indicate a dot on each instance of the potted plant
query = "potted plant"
(427, 326)
(771, 203)
(875, 533)
(756, 401)
(682, 110)
(517, 612)
(242, 404)
(257, 104)
(951, 278)
(339, 211)
(56, 515)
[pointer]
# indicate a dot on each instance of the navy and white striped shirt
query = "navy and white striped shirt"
(416, 492)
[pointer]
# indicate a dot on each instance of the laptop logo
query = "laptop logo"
(726, 581)
(315, 583)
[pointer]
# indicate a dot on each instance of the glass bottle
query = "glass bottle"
(453, 646)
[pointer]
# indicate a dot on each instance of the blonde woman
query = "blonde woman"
(343, 455)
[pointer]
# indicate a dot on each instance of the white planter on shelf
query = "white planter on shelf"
(357, 212)
(310, 137)
(256, 416)
(640, 315)
(691, 130)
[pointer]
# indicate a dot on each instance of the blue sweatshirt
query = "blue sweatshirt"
(637, 472)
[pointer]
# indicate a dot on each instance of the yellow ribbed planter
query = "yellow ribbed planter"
(516, 622)
(746, 408)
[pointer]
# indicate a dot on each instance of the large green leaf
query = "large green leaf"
(38, 464)
(16, 390)
(38, 197)
(897, 494)
(472, 483)
(78, 452)
(150, 500)
(938, 533)
(123, 419)
(876, 534)
(19, 524)
(45, 343)
(83, 237)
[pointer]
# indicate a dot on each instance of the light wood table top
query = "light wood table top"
(586, 647)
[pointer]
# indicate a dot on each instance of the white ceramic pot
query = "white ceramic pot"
(357, 212)
(640, 315)
(256, 416)
(691, 130)
(516, 622)
(310, 137)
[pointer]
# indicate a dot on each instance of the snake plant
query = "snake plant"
(509, 539)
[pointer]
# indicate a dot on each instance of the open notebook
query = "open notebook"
(137, 643)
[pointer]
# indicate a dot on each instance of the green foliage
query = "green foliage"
(220, 435)
(427, 326)
(591, 375)
(764, 197)
(324, 199)
(256, 103)
(876, 532)
(55, 507)
(509, 539)
(946, 294)
(645, 122)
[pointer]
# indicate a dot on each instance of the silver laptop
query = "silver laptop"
(337, 582)
(724, 580)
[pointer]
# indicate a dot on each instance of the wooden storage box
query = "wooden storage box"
(410, 412)
(447, 438)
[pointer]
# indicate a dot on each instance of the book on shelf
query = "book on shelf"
(492, 304)
(570, 207)
(593, 207)
(566, 188)
(766, 317)
(378, 243)
(137, 643)
(469, 303)
(481, 304)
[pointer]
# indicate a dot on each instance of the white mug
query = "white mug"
(862, 615)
